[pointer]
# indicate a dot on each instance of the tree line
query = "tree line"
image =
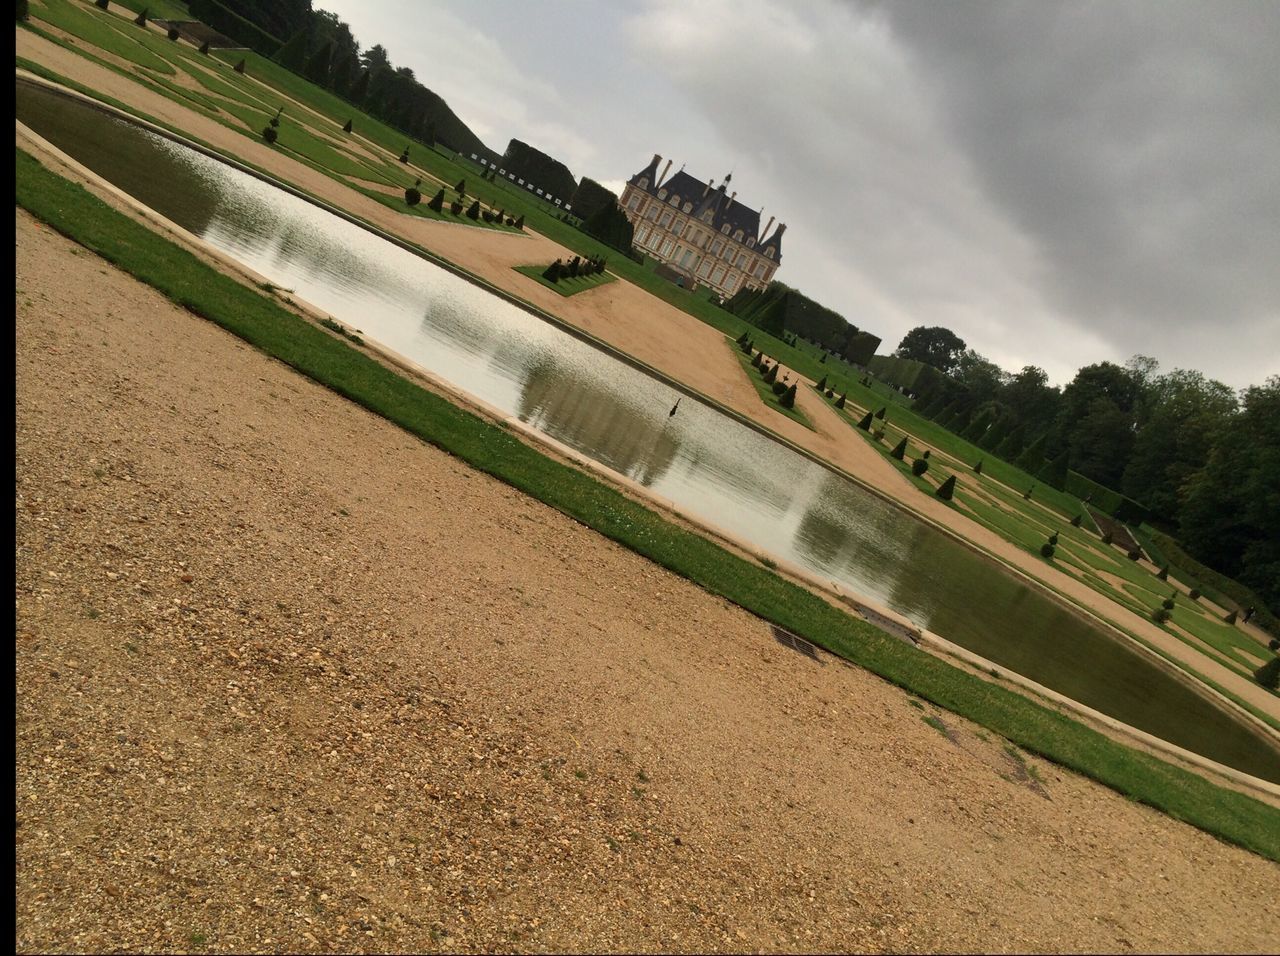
(1201, 461)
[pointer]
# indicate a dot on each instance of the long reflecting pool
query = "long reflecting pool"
(709, 465)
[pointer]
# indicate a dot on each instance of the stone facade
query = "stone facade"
(700, 232)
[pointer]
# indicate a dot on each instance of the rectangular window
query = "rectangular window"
(759, 270)
(716, 247)
(666, 220)
(742, 259)
(688, 231)
(717, 276)
(686, 258)
(635, 201)
(667, 247)
(651, 212)
(704, 269)
(642, 233)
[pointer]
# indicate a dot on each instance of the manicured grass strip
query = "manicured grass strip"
(100, 29)
(765, 390)
(330, 361)
(566, 286)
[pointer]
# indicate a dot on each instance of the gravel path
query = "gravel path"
(288, 679)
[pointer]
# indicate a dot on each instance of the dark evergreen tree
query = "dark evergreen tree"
(404, 157)
(341, 78)
(102, 4)
(359, 90)
(293, 55)
(900, 450)
(947, 489)
(1163, 574)
(320, 65)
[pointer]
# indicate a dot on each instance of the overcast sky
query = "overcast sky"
(1060, 183)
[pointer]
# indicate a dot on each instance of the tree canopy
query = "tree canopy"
(932, 345)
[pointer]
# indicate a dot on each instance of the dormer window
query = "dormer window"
(751, 243)
(769, 252)
(675, 200)
(662, 194)
(708, 216)
(644, 184)
(737, 236)
(725, 229)
(688, 207)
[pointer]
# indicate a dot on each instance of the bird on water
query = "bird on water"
(674, 407)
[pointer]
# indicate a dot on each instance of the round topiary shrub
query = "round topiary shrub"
(1274, 644)
(779, 387)
(1195, 594)
(455, 207)
(269, 134)
(173, 33)
(1053, 538)
(919, 467)
(1160, 615)
(1167, 603)
(830, 393)
(1134, 555)
(411, 195)
(926, 453)
(404, 157)
(1046, 550)
(102, 4)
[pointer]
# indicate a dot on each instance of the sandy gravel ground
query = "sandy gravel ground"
(288, 679)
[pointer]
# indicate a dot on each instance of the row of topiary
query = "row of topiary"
(575, 268)
(786, 391)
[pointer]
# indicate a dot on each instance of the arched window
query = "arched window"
(708, 216)
(675, 200)
(725, 229)
(688, 207)
(738, 235)
(644, 184)
(662, 194)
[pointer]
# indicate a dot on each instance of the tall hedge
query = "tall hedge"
(214, 14)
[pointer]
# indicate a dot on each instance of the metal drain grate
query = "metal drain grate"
(799, 644)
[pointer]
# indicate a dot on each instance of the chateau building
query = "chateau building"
(701, 234)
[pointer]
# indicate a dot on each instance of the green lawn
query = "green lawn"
(103, 30)
(332, 361)
(566, 286)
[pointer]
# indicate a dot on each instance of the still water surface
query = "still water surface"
(707, 464)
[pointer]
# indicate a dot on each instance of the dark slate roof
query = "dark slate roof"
(734, 213)
(650, 172)
(774, 240)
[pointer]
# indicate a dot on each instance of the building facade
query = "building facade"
(699, 231)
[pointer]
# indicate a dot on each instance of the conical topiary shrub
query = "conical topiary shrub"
(346, 127)
(822, 385)
(757, 358)
(473, 211)
(1163, 573)
(771, 374)
(1268, 675)
(1075, 522)
(204, 47)
(552, 272)
(977, 469)
(1027, 494)
(1107, 537)
(840, 401)
(239, 67)
(455, 207)
(1194, 594)
(520, 223)
(900, 450)
(102, 4)
(461, 188)
(437, 201)
(788, 399)
(865, 422)
(947, 488)
(1230, 618)
(919, 467)
(880, 414)
(141, 18)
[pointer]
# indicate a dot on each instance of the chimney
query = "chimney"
(665, 170)
(766, 228)
(731, 195)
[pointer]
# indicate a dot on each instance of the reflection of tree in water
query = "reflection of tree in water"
(587, 417)
(847, 533)
(144, 165)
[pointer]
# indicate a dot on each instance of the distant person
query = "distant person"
(1248, 613)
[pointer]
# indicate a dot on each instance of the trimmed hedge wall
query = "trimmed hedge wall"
(211, 13)
(1104, 499)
